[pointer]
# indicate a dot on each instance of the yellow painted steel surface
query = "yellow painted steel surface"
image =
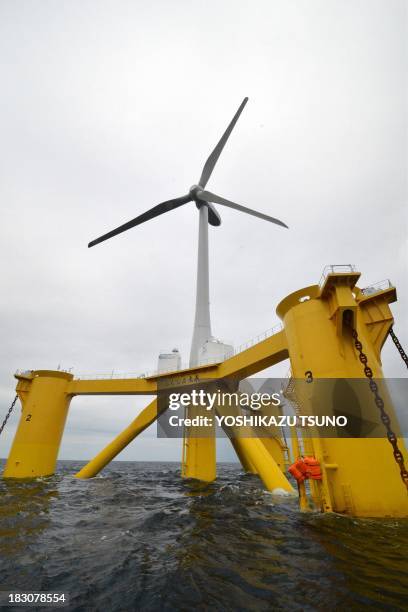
(360, 476)
(263, 456)
(139, 424)
(266, 467)
(44, 410)
(113, 386)
(276, 449)
(199, 458)
(199, 453)
(244, 459)
(258, 357)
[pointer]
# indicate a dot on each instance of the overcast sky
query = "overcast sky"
(108, 108)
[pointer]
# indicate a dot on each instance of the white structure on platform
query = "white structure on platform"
(169, 362)
(214, 351)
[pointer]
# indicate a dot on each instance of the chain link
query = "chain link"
(401, 351)
(379, 402)
(6, 418)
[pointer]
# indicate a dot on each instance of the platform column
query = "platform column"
(45, 404)
(360, 475)
(199, 453)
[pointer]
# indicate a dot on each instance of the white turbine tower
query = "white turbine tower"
(202, 321)
(207, 215)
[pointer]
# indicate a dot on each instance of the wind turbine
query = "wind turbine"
(208, 214)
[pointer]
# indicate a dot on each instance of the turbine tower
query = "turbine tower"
(208, 214)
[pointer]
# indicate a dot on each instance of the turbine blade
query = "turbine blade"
(212, 197)
(214, 217)
(212, 160)
(146, 216)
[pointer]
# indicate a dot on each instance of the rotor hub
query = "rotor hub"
(194, 192)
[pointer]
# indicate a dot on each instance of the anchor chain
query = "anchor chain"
(397, 343)
(379, 402)
(6, 418)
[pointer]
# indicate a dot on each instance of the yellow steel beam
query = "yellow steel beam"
(244, 460)
(46, 395)
(255, 453)
(262, 355)
(113, 386)
(139, 424)
(276, 448)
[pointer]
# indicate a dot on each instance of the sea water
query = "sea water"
(138, 537)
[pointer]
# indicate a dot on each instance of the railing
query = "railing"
(380, 286)
(21, 372)
(185, 366)
(203, 362)
(108, 375)
(266, 334)
(147, 374)
(336, 269)
(288, 385)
